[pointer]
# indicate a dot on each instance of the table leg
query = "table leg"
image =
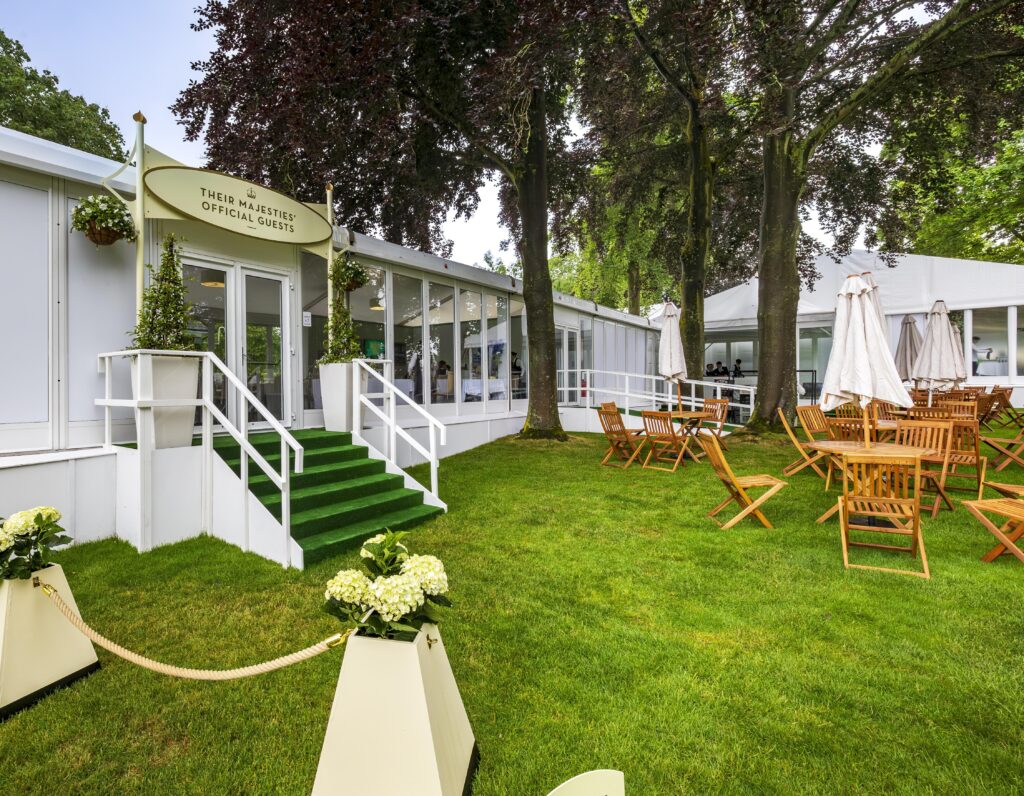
(824, 517)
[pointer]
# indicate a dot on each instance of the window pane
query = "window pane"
(206, 292)
(368, 304)
(469, 332)
(408, 335)
(990, 342)
(497, 347)
(442, 343)
(518, 362)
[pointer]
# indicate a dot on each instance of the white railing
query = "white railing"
(588, 388)
(144, 403)
(384, 406)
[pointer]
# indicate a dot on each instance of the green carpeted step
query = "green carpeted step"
(311, 458)
(352, 512)
(331, 472)
(333, 492)
(322, 545)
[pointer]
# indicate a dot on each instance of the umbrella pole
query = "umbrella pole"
(867, 428)
(679, 396)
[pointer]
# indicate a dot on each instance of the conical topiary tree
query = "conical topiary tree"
(165, 314)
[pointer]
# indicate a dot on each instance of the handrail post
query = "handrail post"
(108, 388)
(146, 442)
(286, 501)
(357, 405)
(432, 430)
(243, 467)
(392, 421)
(207, 395)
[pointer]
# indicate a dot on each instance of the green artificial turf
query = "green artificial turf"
(599, 620)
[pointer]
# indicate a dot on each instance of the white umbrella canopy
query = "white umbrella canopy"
(940, 364)
(876, 298)
(908, 347)
(860, 367)
(671, 361)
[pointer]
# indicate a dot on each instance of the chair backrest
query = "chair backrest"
(919, 397)
(851, 409)
(929, 413)
(812, 419)
(660, 427)
(933, 434)
(611, 422)
(716, 457)
(966, 438)
(960, 408)
(985, 402)
(883, 410)
(610, 406)
(848, 428)
(720, 408)
(881, 477)
(976, 390)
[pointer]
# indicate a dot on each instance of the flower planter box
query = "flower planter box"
(40, 650)
(336, 394)
(173, 377)
(397, 725)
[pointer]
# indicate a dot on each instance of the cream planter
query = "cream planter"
(173, 377)
(39, 649)
(398, 726)
(336, 392)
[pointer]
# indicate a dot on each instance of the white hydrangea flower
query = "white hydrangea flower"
(24, 521)
(350, 586)
(429, 573)
(396, 596)
(6, 539)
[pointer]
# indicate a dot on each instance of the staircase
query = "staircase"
(342, 496)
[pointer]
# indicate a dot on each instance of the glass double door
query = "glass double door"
(567, 361)
(241, 315)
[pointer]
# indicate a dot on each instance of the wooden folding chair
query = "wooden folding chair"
(848, 428)
(610, 406)
(806, 458)
(623, 443)
(966, 463)
(1009, 509)
(1006, 490)
(737, 486)
(919, 397)
(936, 435)
(929, 413)
(1010, 450)
(715, 425)
(1004, 413)
(666, 442)
(985, 401)
(850, 410)
(883, 410)
(812, 421)
(960, 409)
(881, 495)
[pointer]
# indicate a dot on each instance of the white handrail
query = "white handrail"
(281, 479)
(436, 430)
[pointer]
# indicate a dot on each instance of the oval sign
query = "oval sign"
(236, 205)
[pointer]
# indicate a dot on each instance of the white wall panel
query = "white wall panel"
(25, 309)
(101, 314)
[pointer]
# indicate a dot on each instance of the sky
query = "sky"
(129, 56)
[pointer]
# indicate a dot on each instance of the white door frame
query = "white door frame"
(241, 330)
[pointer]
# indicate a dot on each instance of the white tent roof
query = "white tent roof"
(912, 286)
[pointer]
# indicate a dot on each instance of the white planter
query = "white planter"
(39, 649)
(336, 393)
(173, 377)
(398, 726)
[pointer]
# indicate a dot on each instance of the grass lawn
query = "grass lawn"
(600, 620)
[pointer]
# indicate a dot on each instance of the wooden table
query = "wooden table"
(839, 447)
(692, 421)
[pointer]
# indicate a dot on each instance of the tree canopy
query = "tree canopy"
(32, 102)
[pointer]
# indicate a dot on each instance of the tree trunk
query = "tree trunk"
(696, 250)
(633, 286)
(532, 196)
(778, 279)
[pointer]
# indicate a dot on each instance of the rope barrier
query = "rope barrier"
(191, 674)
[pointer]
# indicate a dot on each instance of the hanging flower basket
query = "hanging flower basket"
(104, 220)
(347, 273)
(102, 236)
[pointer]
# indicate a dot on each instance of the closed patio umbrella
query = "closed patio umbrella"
(671, 361)
(940, 364)
(908, 347)
(860, 367)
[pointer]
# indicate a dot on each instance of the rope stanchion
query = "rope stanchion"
(191, 674)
